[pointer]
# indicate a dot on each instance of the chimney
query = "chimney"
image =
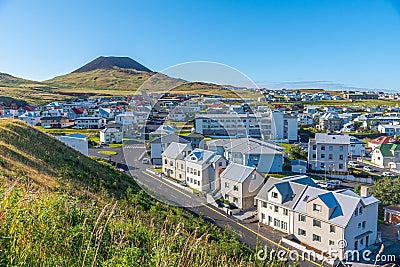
(365, 191)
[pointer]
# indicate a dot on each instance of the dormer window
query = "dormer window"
(193, 158)
(317, 207)
(274, 195)
(360, 211)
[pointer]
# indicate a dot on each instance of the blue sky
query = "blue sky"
(276, 43)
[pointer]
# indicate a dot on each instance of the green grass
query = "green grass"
(108, 152)
(285, 146)
(276, 175)
(114, 145)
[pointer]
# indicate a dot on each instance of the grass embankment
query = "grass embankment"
(92, 134)
(60, 208)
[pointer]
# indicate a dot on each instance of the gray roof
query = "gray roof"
(174, 150)
(237, 172)
(168, 139)
(246, 146)
(203, 156)
(299, 190)
(323, 138)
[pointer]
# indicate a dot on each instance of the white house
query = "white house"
(356, 147)
(319, 218)
(202, 170)
(90, 122)
(110, 136)
(240, 184)
(31, 117)
(389, 129)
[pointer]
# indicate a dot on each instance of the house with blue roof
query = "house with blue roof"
(202, 170)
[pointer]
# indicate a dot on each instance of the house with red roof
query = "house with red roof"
(382, 140)
(75, 113)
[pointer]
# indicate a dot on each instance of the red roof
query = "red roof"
(393, 208)
(384, 140)
(78, 110)
(29, 108)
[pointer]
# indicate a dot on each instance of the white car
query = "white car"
(368, 169)
(145, 161)
(388, 174)
(354, 164)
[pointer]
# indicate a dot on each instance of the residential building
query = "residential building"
(90, 122)
(240, 184)
(316, 217)
(202, 170)
(75, 113)
(330, 122)
(173, 160)
(78, 142)
(387, 156)
(372, 144)
(305, 119)
(197, 140)
(265, 156)
(160, 144)
(110, 136)
(328, 152)
(56, 122)
(31, 117)
(267, 125)
(356, 147)
(389, 129)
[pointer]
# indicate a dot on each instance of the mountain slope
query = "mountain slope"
(111, 62)
(60, 208)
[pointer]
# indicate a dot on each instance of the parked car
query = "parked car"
(388, 174)
(354, 164)
(368, 169)
(145, 161)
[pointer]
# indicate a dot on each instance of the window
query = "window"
(302, 218)
(356, 212)
(332, 229)
(316, 238)
(363, 224)
(330, 148)
(274, 195)
(276, 208)
(195, 172)
(285, 212)
(314, 156)
(322, 156)
(253, 176)
(317, 207)
(187, 169)
(198, 174)
(314, 147)
(264, 204)
(359, 225)
(220, 163)
(316, 223)
(166, 161)
(284, 225)
(331, 243)
(227, 196)
(171, 163)
(182, 167)
(301, 232)
(235, 200)
(262, 216)
(340, 157)
(322, 147)
(235, 188)
(340, 165)
(226, 185)
(360, 211)
(340, 148)
(330, 156)
(322, 165)
(277, 223)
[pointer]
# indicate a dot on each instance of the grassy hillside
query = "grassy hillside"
(60, 208)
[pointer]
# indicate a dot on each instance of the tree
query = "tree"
(297, 152)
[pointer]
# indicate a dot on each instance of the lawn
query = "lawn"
(108, 152)
(285, 146)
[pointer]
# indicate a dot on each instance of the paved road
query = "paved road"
(248, 232)
(378, 171)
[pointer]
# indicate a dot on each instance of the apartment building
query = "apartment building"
(203, 168)
(266, 125)
(316, 217)
(389, 129)
(328, 152)
(330, 122)
(90, 122)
